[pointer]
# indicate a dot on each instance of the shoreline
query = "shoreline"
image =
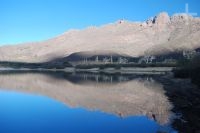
(123, 70)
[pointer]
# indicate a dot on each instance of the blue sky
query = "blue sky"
(36, 20)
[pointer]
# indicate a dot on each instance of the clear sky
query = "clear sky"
(36, 20)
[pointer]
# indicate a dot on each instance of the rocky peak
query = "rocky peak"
(180, 17)
(161, 19)
(150, 21)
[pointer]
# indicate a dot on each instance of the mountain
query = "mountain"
(158, 34)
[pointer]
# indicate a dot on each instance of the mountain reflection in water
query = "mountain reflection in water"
(122, 95)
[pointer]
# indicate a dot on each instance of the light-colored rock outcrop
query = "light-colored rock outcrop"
(157, 35)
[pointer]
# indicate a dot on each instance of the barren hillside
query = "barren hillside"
(158, 34)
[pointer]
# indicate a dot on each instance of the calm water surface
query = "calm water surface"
(58, 102)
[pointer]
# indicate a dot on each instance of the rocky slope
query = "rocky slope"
(156, 35)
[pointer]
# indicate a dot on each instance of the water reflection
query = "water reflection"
(25, 113)
(99, 78)
(122, 95)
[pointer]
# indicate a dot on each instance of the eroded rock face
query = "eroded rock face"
(157, 34)
(150, 21)
(181, 18)
(162, 19)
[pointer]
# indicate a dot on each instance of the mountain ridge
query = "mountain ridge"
(156, 35)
